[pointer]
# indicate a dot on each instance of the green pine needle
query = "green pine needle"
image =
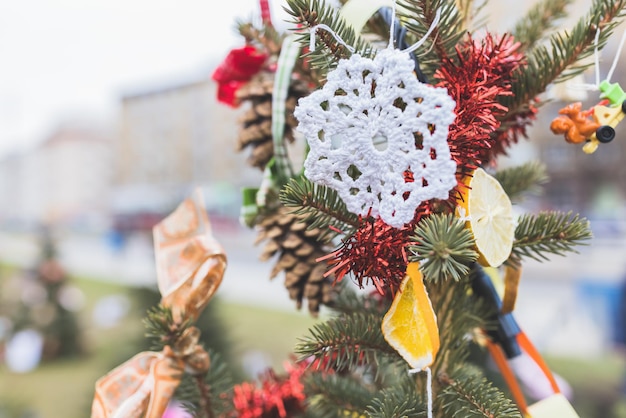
(347, 301)
(564, 55)
(468, 395)
(540, 19)
(537, 235)
(161, 330)
(418, 16)
(524, 179)
(319, 207)
(328, 50)
(401, 400)
(335, 395)
(346, 341)
(443, 246)
(216, 385)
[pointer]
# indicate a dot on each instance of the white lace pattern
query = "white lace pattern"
(371, 124)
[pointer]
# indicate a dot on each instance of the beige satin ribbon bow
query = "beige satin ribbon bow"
(190, 262)
(190, 267)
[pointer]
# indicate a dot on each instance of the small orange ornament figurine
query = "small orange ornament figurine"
(190, 267)
(575, 124)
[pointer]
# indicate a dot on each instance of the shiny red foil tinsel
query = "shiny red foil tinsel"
(476, 78)
(276, 397)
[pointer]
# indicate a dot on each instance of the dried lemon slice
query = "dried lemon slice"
(489, 215)
(410, 324)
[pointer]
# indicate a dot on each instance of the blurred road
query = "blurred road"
(246, 278)
(565, 305)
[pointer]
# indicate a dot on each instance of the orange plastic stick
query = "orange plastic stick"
(528, 346)
(509, 377)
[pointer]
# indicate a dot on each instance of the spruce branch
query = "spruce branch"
(401, 400)
(348, 301)
(328, 51)
(467, 395)
(346, 342)
(540, 19)
(418, 16)
(266, 36)
(335, 395)
(209, 395)
(319, 206)
(161, 329)
(562, 59)
(457, 317)
(549, 233)
(443, 246)
(469, 10)
(526, 178)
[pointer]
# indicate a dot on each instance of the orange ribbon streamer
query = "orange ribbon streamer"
(509, 377)
(190, 267)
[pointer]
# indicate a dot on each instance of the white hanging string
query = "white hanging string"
(432, 27)
(429, 389)
(408, 50)
(596, 58)
(617, 55)
(332, 32)
(429, 392)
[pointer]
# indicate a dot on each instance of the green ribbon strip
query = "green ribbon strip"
(289, 53)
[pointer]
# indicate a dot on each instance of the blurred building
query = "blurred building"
(173, 138)
(66, 178)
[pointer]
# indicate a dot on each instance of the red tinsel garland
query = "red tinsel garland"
(375, 251)
(277, 396)
(476, 79)
(512, 128)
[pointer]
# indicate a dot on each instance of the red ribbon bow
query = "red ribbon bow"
(237, 69)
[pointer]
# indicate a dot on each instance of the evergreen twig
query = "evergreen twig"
(548, 233)
(348, 301)
(328, 51)
(564, 57)
(443, 246)
(319, 206)
(335, 395)
(457, 317)
(540, 19)
(469, 395)
(346, 342)
(419, 15)
(208, 395)
(523, 179)
(161, 329)
(401, 400)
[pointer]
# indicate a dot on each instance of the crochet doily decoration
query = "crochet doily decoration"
(378, 136)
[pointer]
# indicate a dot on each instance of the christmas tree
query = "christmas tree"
(44, 305)
(403, 110)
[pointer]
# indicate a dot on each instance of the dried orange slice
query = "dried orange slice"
(489, 214)
(410, 325)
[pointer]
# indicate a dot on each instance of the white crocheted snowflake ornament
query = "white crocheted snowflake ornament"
(378, 136)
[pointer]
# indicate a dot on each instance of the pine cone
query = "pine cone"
(297, 249)
(256, 122)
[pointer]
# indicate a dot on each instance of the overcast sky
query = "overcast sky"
(60, 58)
